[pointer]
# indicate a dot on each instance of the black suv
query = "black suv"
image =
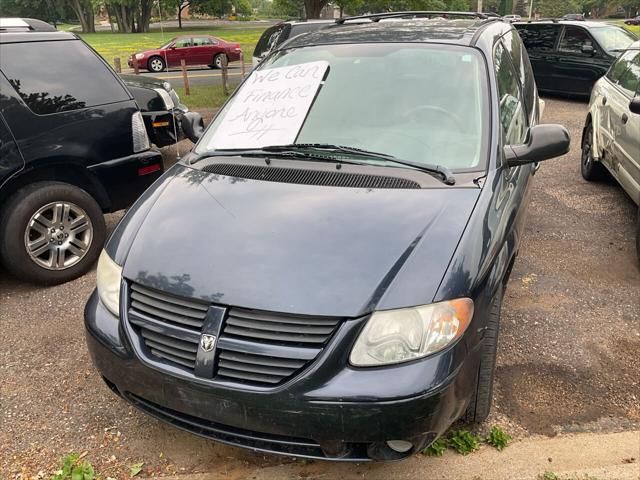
(73, 146)
(568, 57)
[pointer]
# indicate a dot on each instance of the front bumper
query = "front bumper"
(124, 179)
(348, 416)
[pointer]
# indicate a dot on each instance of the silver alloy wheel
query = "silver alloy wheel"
(58, 235)
(156, 65)
(218, 61)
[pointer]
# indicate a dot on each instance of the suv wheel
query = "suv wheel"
(51, 233)
(155, 64)
(590, 168)
(480, 406)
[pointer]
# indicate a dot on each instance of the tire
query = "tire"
(217, 60)
(51, 233)
(156, 64)
(480, 405)
(591, 169)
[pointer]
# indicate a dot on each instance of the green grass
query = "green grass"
(632, 28)
(203, 96)
(122, 45)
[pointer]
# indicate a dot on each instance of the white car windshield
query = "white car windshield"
(613, 39)
(422, 103)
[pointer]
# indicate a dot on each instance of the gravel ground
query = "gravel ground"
(567, 356)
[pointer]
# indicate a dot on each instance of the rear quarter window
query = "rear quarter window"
(270, 39)
(538, 37)
(60, 76)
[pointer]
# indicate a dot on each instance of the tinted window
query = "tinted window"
(573, 40)
(59, 76)
(512, 115)
(269, 39)
(630, 79)
(538, 37)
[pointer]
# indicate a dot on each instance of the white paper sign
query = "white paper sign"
(270, 108)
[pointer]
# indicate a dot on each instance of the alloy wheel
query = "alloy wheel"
(587, 153)
(156, 65)
(58, 235)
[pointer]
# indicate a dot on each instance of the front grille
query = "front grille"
(150, 309)
(309, 177)
(253, 347)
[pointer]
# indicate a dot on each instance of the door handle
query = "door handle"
(604, 100)
(625, 118)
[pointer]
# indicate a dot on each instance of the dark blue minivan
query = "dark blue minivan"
(322, 276)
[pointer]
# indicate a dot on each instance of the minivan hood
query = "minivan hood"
(302, 249)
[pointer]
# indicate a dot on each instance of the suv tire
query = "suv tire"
(50, 233)
(591, 169)
(480, 406)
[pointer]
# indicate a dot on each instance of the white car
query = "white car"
(611, 135)
(512, 18)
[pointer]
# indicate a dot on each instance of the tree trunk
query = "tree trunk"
(314, 7)
(84, 11)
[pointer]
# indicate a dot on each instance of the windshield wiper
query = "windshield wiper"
(276, 152)
(443, 172)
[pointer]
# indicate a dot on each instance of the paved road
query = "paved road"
(567, 358)
(198, 76)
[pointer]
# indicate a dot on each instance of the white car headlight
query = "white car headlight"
(108, 279)
(139, 56)
(395, 336)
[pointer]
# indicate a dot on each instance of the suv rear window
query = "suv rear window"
(538, 37)
(60, 76)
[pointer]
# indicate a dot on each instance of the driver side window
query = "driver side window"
(513, 118)
(573, 40)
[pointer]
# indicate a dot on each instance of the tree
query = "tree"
(557, 8)
(84, 10)
(132, 16)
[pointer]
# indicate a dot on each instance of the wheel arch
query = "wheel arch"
(65, 172)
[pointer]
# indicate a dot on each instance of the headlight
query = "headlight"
(166, 98)
(139, 56)
(395, 336)
(109, 278)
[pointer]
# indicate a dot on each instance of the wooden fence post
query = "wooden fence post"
(225, 75)
(185, 78)
(136, 69)
(117, 64)
(242, 63)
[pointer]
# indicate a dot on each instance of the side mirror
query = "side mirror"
(587, 49)
(634, 106)
(193, 126)
(544, 142)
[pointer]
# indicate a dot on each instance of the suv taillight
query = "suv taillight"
(140, 137)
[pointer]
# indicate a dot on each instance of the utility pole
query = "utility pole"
(530, 9)
(479, 6)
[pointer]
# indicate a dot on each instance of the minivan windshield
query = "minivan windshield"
(421, 103)
(612, 38)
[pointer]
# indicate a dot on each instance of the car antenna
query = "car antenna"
(166, 63)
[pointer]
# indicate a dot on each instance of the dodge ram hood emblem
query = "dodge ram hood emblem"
(207, 342)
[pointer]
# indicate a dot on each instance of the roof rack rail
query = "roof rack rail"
(376, 17)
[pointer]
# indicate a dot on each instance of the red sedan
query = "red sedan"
(194, 50)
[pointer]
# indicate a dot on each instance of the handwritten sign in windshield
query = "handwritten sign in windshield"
(270, 108)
